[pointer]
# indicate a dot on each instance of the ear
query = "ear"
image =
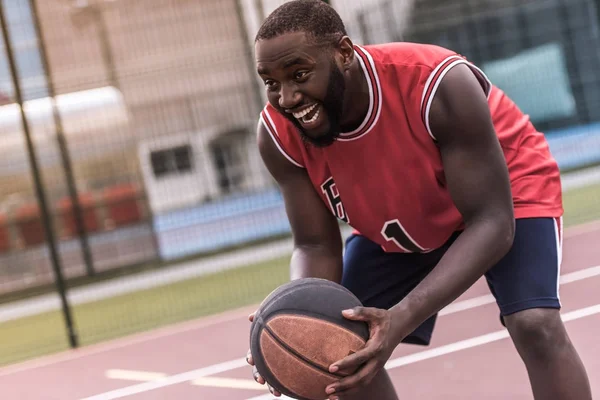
(346, 52)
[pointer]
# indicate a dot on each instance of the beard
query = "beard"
(333, 106)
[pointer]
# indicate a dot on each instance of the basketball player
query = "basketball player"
(442, 177)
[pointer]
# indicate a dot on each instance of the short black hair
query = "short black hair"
(315, 17)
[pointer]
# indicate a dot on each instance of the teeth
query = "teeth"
(313, 119)
(301, 114)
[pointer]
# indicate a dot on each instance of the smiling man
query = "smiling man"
(442, 177)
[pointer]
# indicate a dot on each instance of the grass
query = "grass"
(139, 311)
(143, 310)
(582, 205)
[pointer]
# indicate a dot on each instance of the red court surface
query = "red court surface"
(470, 357)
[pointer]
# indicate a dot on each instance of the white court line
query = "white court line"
(580, 275)
(170, 380)
(212, 381)
(115, 344)
(478, 340)
(488, 298)
(271, 397)
(452, 308)
(459, 346)
(129, 375)
(228, 383)
(174, 329)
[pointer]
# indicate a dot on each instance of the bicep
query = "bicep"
(312, 224)
(474, 163)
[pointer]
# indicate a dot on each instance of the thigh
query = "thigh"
(382, 280)
(527, 277)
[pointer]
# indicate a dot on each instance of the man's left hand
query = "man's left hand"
(367, 362)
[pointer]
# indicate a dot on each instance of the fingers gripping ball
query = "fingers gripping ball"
(299, 331)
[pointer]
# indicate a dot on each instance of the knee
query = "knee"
(538, 333)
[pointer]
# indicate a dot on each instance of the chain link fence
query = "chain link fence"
(128, 168)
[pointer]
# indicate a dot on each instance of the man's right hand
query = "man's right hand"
(255, 373)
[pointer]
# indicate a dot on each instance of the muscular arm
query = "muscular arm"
(478, 180)
(316, 234)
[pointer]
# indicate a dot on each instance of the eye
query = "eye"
(300, 75)
(269, 83)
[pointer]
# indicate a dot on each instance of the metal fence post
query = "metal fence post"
(47, 220)
(62, 144)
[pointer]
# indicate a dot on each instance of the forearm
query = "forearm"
(316, 261)
(475, 251)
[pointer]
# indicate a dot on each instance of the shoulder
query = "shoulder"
(415, 71)
(409, 54)
(418, 71)
(418, 66)
(459, 107)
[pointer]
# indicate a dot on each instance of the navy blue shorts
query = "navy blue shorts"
(527, 276)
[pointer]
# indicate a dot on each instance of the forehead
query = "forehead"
(286, 50)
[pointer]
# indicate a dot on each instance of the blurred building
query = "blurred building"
(159, 106)
(159, 102)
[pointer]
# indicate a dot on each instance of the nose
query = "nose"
(289, 97)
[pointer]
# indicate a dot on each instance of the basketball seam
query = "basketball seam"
(273, 381)
(279, 292)
(322, 318)
(277, 296)
(296, 354)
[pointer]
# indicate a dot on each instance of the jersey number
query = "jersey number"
(335, 201)
(393, 231)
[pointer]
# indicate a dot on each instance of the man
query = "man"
(442, 177)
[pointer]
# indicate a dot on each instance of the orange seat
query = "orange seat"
(90, 218)
(122, 204)
(29, 224)
(4, 234)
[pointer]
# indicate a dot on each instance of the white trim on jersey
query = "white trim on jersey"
(432, 75)
(558, 232)
(437, 82)
(484, 76)
(346, 136)
(371, 97)
(378, 84)
(272, 134)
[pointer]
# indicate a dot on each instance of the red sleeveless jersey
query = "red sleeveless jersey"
(386, 178)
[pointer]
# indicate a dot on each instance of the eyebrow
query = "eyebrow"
(286, 64)
(294, 61)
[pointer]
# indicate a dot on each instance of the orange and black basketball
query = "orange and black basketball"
(299, 331)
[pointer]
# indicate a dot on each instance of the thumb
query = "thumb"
(357, 314)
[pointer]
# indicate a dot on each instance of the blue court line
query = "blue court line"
(575, 147)
(236, 205)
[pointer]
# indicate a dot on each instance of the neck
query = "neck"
(356, 103)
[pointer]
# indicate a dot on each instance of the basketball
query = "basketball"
(299, 331)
